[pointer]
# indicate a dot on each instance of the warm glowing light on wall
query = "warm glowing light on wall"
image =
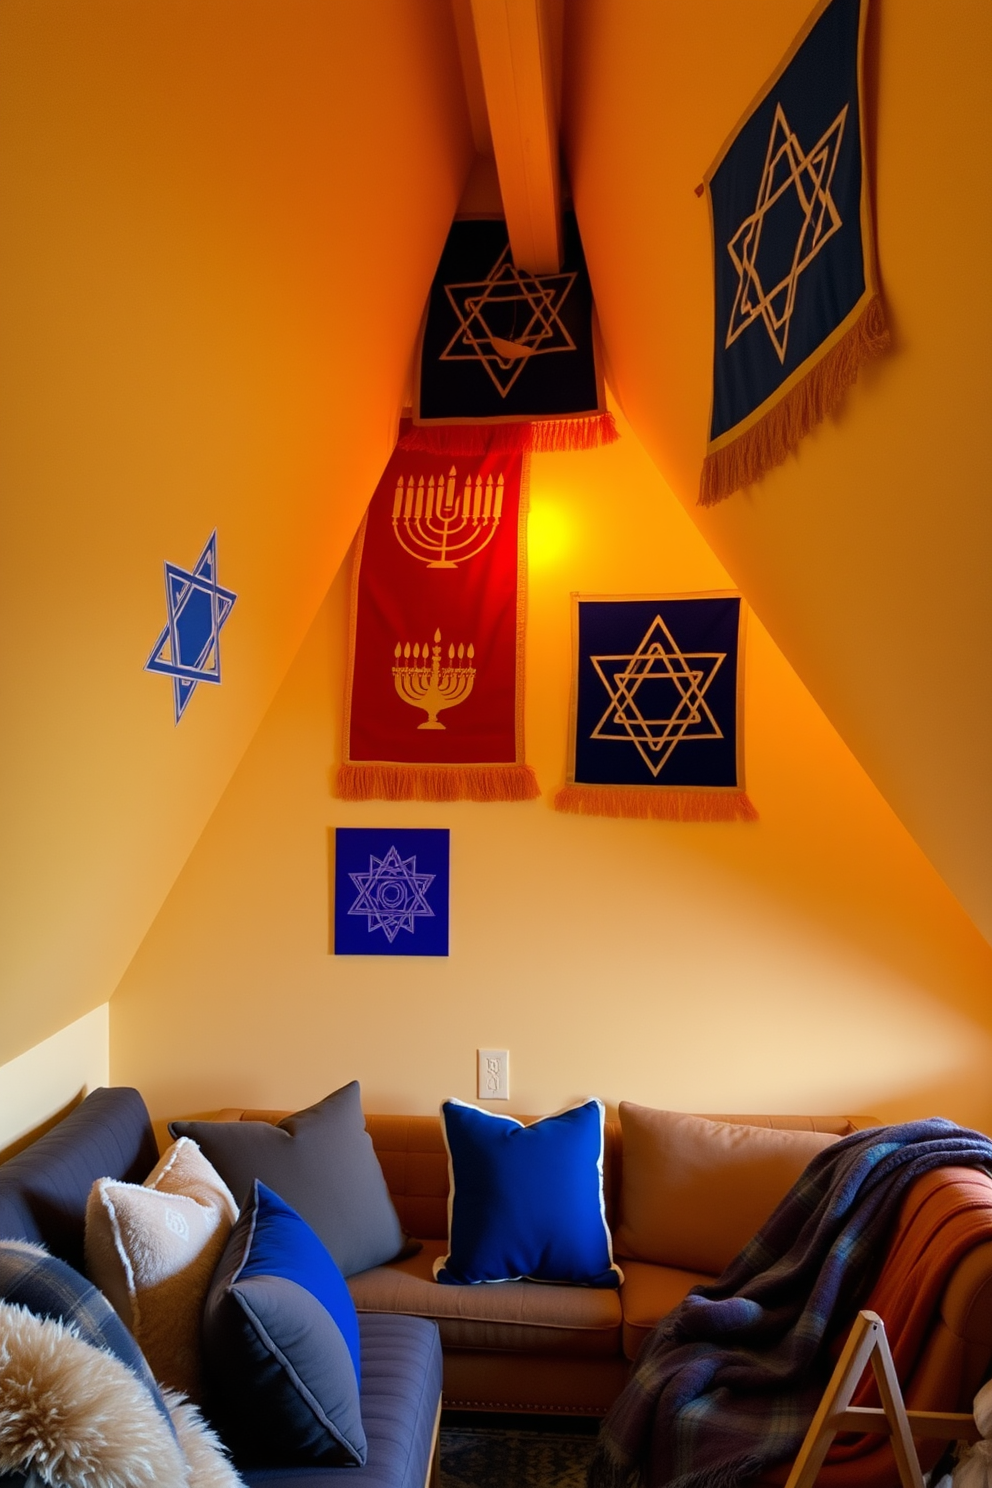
(550, 533)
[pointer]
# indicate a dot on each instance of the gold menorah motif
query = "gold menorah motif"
(422, 682)
(441, 526)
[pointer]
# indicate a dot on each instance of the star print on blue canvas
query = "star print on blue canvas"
(391, 892)
(188, 650)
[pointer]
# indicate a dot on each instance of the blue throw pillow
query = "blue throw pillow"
(280, 1344)
(526, 1201)
(50, 1288)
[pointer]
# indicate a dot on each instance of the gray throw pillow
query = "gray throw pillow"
(321, 1162)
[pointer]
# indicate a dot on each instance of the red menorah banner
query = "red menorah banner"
(434, 697)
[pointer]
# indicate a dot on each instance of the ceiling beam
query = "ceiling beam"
(518, 45)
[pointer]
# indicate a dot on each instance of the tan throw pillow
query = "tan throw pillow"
(695, 1191)
(152, 1248)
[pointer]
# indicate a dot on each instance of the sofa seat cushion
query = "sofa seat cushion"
(648, 1294)
(401, 1392)
(530, 1316)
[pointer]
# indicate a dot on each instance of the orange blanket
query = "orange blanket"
(946, 1213)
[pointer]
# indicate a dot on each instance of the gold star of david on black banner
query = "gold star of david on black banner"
(506, 318)
(500, 344)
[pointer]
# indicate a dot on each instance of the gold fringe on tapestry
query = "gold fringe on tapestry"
(656, 804)
(768, 442)
(542, 436)
(384, 782)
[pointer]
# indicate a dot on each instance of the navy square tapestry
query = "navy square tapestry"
(656, 709)
(391, 891)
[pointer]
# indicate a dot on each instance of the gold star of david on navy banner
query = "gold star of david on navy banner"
(507, 359)
(796, 298)
(656, 726)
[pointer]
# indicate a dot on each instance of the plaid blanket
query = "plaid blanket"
(727, 1384)
(50, 1288)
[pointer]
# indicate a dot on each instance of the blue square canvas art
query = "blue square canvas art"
(391, 891)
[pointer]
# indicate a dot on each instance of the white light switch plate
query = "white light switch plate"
(494, 1074)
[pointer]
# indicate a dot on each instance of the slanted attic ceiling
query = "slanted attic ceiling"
(869, 554)
(222, 217)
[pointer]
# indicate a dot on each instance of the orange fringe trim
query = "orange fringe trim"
(768, 442)
(543, 436)
(430, 783)
(660, 805)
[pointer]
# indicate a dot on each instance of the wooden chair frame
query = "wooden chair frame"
(866, 1344)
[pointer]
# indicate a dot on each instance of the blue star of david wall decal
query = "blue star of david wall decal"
(391, 892)
(188, 650)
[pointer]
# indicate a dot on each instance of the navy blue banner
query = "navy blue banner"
(657, 696)
(789, 256)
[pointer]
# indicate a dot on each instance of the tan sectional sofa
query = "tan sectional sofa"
(525, 1346)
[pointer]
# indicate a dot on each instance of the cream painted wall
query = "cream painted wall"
(813, 961)
(42, 1082)
(221, 218)
(867, 554)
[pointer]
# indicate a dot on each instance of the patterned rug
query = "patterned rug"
(487, 1457)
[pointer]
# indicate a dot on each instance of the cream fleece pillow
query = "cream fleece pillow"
(152, 1248)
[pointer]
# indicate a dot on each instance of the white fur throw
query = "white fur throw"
(152, 1247)
(76, 1417)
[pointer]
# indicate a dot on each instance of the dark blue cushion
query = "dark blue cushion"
(401, 1389)
(526, 1201)
(43, 1190)
(49, 1288)
(280, 1343)
(283, 1244)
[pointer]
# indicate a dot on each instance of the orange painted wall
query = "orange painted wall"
(868, 553)
(814, 961)
(220, 221)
